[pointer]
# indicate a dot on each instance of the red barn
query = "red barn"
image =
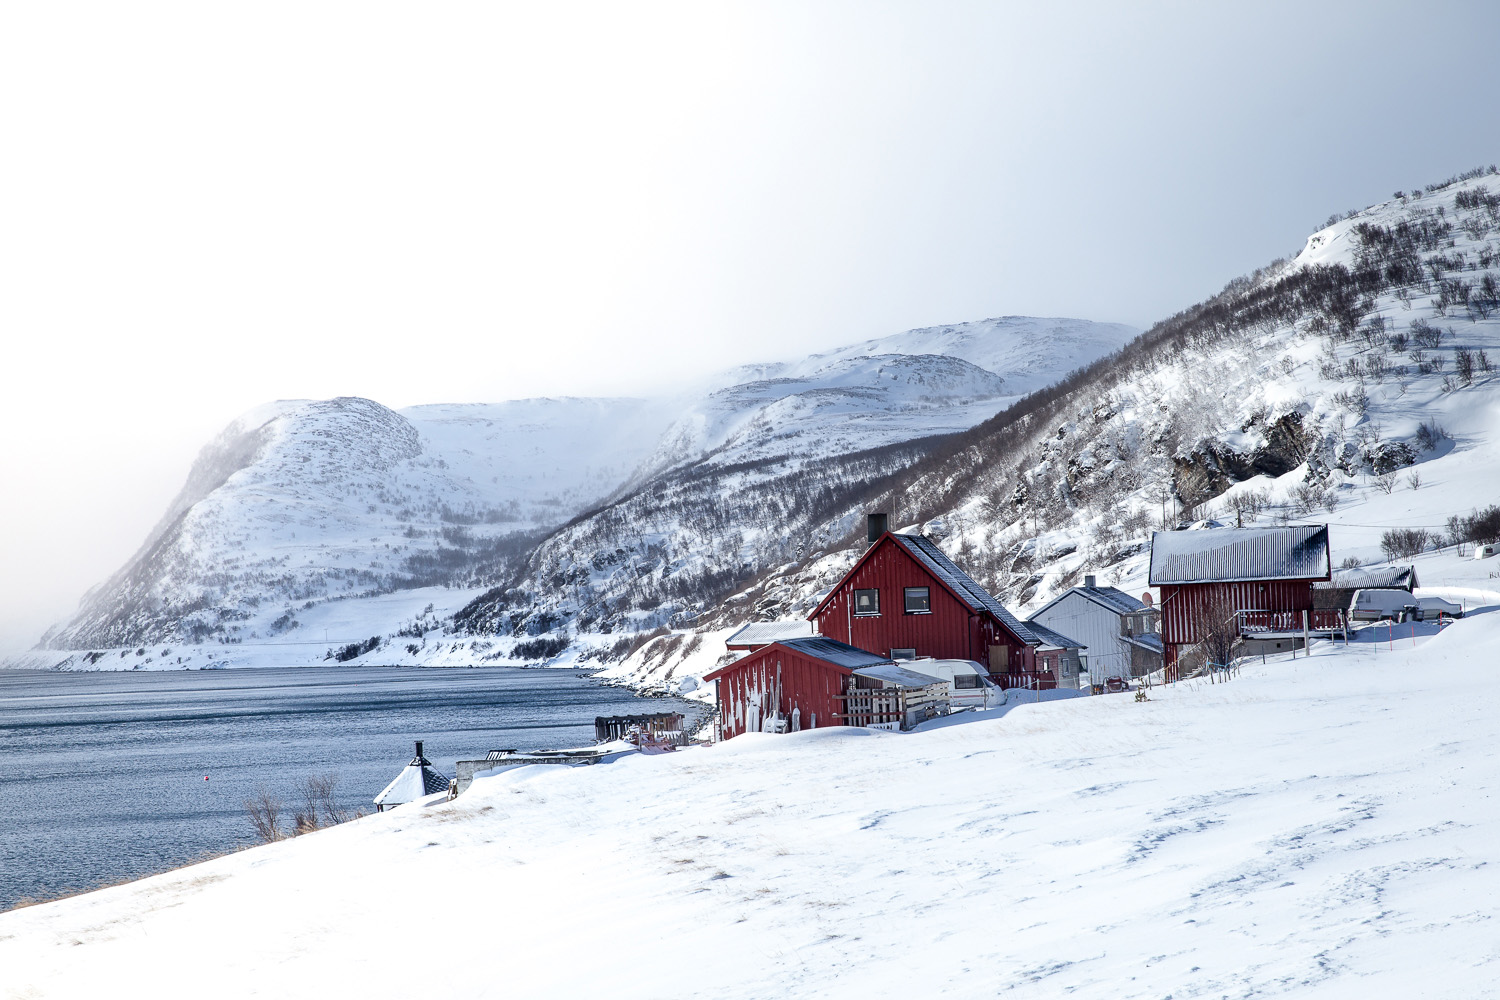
(813, 683)
(905, 599)
(1262, 576)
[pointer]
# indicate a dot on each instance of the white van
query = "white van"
(1374, 605)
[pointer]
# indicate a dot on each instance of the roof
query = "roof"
(900, 676)
(1226, 555)
(414, 781)
(839, 654)
(764, 633)
(1379, 577)
(1109, 598)
(925, 551)
(1051, 638)
(1145, 640)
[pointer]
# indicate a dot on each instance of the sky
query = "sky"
(204, 207)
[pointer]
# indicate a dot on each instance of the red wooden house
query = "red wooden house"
(1262, 577)
(815, 682)
(906, 599)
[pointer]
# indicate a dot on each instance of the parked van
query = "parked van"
(1432, 607)
(1483, 551)
(1375, 605)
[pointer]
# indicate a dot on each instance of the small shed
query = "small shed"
(1059, 656)
(416, 780)
(758, 634)
(1337, 593)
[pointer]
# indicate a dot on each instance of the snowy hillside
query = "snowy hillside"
(1316, 828)
(1354, 384)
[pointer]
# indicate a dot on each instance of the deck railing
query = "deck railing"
(1290, 622)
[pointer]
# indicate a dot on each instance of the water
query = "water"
(103, 773)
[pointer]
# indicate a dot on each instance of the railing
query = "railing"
(1041, 680)
(1290, 622)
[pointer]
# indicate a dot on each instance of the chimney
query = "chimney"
(1088, 582)
(875, 526)
(419, 752)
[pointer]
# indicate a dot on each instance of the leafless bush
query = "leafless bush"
(264, 809)
(1414, 480)
(1403, 543)
(1385, 482)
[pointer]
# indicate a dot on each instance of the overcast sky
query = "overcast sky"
(206, 206)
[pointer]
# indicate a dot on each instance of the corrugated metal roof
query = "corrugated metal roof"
(840, 654)
(762, 633)
(1223, 555)
(1053, 638)
(971, 593)
(890, 673)
(412, 783)
(1368, 577)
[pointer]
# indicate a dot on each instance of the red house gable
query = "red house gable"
(799, 680)
(904, 594)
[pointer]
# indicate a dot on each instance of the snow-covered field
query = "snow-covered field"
(1318, 827)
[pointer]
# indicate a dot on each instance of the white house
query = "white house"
(1119, 631)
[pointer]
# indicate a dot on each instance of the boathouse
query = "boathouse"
(905, 599)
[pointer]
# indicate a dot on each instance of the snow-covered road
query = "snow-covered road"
(1323, 827)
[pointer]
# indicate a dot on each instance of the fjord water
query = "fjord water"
(103, 774)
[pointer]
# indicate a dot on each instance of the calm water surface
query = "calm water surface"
(103, 774)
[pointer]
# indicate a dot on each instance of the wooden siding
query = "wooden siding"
(783, 678)
(1183, 604)
(949, 631)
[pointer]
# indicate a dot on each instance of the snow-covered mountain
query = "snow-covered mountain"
(302, 503)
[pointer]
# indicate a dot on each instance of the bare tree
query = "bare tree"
(1385, 482)
(264, 809)
(1217, 626)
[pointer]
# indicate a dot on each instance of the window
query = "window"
(903, 654)
(918, 601)
(966, 680)
(867, 602)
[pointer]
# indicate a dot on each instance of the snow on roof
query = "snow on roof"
(925, 551)
(1052, 638)
(891, 673)
(1145, 640)
(832, 651)
(1367, 577)
(411, 784)
(1223, 555)
(1110, 598)
(762, 633)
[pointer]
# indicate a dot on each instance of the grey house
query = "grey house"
(1120, 632)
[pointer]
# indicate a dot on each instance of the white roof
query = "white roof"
(765, 633)
(1224, 555)
(946, 669)
(414, 782)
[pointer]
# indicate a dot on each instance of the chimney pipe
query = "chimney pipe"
(419, 749)
(1088, 582)
(874, 527)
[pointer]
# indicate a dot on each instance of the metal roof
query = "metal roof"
(1368, 577)
(414, 781)
(1145, 640)
(764, 633)
(840, 654)
(925, 551)
(891, 673)
(1052, 638)
(1226, 555)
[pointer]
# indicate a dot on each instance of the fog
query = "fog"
(206, 207)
